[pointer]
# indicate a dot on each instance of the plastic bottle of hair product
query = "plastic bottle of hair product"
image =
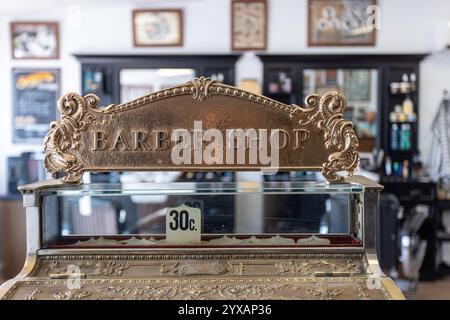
(394, 137)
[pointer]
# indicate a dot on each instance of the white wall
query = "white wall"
(104, 26)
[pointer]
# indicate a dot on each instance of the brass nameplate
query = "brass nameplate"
(200, 126)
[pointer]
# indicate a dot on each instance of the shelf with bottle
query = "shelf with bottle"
(394, 167)
(402, 127)
(280, 83)
(401, 167)
(401, 137)
(98, 80)
(407, 85)
(404, 112)
(94, 80)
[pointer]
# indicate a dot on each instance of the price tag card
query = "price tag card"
(183, 225)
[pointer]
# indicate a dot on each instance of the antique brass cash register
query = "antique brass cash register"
(244, 237)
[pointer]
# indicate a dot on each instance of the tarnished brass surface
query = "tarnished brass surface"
(136, 135)
(190, 276)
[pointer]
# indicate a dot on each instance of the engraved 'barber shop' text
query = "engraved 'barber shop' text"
(210, 146)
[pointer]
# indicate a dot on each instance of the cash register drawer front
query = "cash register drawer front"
(191, 276)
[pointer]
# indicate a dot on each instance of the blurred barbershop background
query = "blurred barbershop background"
(391, 59)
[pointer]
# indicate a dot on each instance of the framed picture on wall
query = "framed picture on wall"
(35, 40)
(341, 22)
(157, 27)
(249, 24)
(35, 96)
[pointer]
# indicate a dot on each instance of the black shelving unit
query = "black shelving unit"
(394, 73)
(390, 68)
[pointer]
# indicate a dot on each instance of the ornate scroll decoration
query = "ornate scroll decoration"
(64, 134)
(33, 294)
(106, 268)
(362, 291)
(201, 88)
(338, 134)
(323, 292)
(198, 291)
(149, 292)
(195, 268)
(71, 295)
(97, 268)
(65, 142)
(309, 267)
(93, 268)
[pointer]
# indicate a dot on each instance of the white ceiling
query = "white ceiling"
(17, 8)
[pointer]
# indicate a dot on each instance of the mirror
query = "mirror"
(360, 88)
(135, 83)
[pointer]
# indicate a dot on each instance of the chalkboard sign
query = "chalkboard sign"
(35, 95)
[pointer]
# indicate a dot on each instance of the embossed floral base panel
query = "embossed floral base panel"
(163, 265)
(201, 276)
(199, 289)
